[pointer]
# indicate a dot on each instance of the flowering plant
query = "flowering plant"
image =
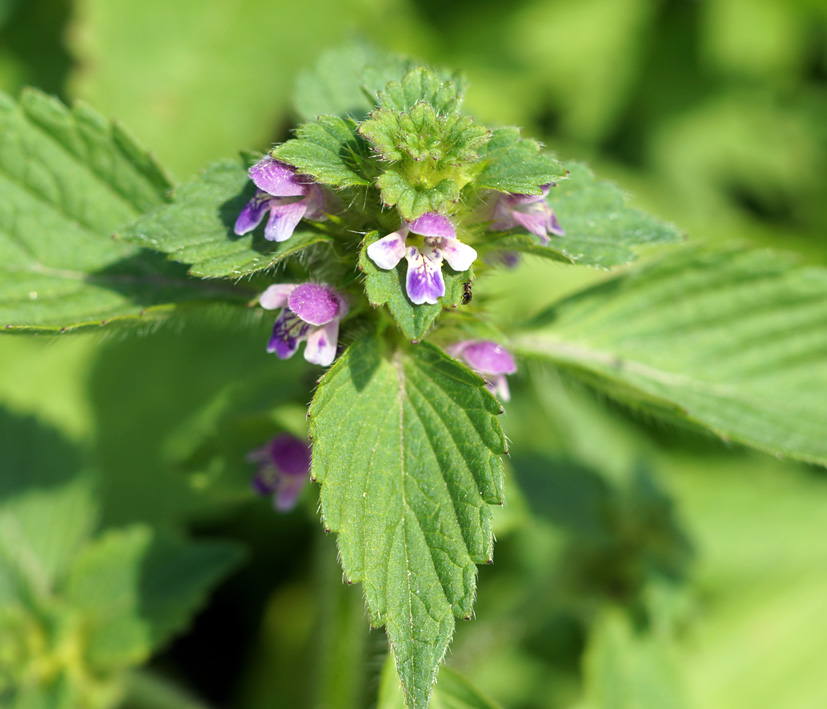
(386, 217)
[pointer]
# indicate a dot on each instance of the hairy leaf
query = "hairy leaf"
(452, 692)
(330, 151)
(69, 178)
(388, 287)
(197, 228)
(510, 163)
(138, 589)
(734, 341)
(406, 448)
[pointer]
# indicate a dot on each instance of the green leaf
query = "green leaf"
(330, 151)
(137, 589)
(510, 163)
(453, 691)
(388, 287)
(625, 669)
(733, 341)
(600, 229)
(197, 228)
(422, 85)
(342, 80)
(47, 506)
(406, 448)
(69, 178)
(413, 200)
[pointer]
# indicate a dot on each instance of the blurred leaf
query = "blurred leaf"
(514, 164)
(47, 505)
(405, 481)
(329, 150)
(221, 84)
(70, 178)
(733, 341)
(341, 79)
(197, 228)
(600, 229)
(137, 589)
(625, 669)
(388, 287)
(452, 691)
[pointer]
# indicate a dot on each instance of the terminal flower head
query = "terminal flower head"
(530, 211)
(287, 196)
(309, 311)
(283, 470)
(424, 282)
(492, 361)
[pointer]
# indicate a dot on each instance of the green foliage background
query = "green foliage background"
(637, 565)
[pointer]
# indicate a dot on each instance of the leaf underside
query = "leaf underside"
(734, 341)
(406, 448)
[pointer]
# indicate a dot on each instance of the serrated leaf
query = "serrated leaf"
(734, 341)
(197, 227)
(453, 691)
(510, 163)
(137, 589)
(388, 287)
(413, 200)
(328, 150)
(406, 449)
(600, 229)
(69, 178)
(421, 85)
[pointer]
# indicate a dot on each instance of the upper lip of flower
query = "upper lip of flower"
(424, 283)
(288, 196)
(309, 311)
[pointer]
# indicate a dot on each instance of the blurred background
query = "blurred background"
(654, 568)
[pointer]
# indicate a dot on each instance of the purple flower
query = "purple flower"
(283, 469)
(424, 282)
(288, 197)
(309, 311)
(488, 359)
(530, 211)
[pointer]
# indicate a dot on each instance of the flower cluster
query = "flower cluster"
(312, 312)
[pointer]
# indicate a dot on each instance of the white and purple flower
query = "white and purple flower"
(492, 361)
(530, 211)
(309, 311)
(283, 470)
(288, 196)
(424, 282)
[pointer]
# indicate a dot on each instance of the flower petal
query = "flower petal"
(498, 386)
(432, 224)
(288, 331)
(275, 296)
(424, 282)
(277, 179)
(534, 221)
(287, 492)
(389, 250)
(252, 214)
(458, 255)
(488, 357)
(315, 304)
(315, 204)
(290, 454)
(284, 218)
(321, 344)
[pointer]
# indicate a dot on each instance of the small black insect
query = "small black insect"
(466, 293)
